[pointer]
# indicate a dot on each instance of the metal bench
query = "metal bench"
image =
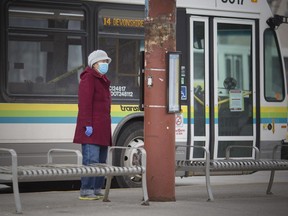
(14, 173)
(228, 164)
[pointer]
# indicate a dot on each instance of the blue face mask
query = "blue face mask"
(103, 68)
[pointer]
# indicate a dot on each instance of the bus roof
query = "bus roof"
(252, 7)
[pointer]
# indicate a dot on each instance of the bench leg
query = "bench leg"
(144, 189)
(208, 184)
(107, 189)
(16, 195)
(268, 191)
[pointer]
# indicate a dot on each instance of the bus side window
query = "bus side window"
(273, 70)
(45, 57)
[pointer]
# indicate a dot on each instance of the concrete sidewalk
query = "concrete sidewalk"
(234, 196)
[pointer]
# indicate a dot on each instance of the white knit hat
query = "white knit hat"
(96, 56)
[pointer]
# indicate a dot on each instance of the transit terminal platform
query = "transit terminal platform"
(234, 196)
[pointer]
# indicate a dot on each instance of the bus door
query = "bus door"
(222, 61)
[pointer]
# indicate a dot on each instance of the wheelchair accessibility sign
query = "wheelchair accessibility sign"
(183, 92)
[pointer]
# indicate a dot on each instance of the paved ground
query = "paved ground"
(234, 196)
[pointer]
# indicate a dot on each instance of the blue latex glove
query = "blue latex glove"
(89, 131)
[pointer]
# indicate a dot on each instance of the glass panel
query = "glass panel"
(124, 68)
(199, 153)
(45, 18)
(44, 62)
(235, 102)
(121, 36)
(274, 80)
(235, 152)
(199, 78)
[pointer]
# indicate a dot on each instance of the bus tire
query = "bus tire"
(130, 136)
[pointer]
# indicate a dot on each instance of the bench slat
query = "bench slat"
(227, 165)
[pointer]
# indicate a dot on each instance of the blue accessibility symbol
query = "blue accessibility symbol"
(183, 92)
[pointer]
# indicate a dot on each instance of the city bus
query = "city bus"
(233, 84)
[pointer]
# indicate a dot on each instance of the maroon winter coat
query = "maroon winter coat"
(94, 104)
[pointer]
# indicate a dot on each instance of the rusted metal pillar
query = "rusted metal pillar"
(159, 126)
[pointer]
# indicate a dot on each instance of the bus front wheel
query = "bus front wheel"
(131, 136)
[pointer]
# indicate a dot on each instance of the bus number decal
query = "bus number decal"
(239, 2)
(120, 91)
(107, 21)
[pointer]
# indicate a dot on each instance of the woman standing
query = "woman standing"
(93, 129)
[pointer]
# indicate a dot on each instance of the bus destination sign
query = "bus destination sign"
(123, 22)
